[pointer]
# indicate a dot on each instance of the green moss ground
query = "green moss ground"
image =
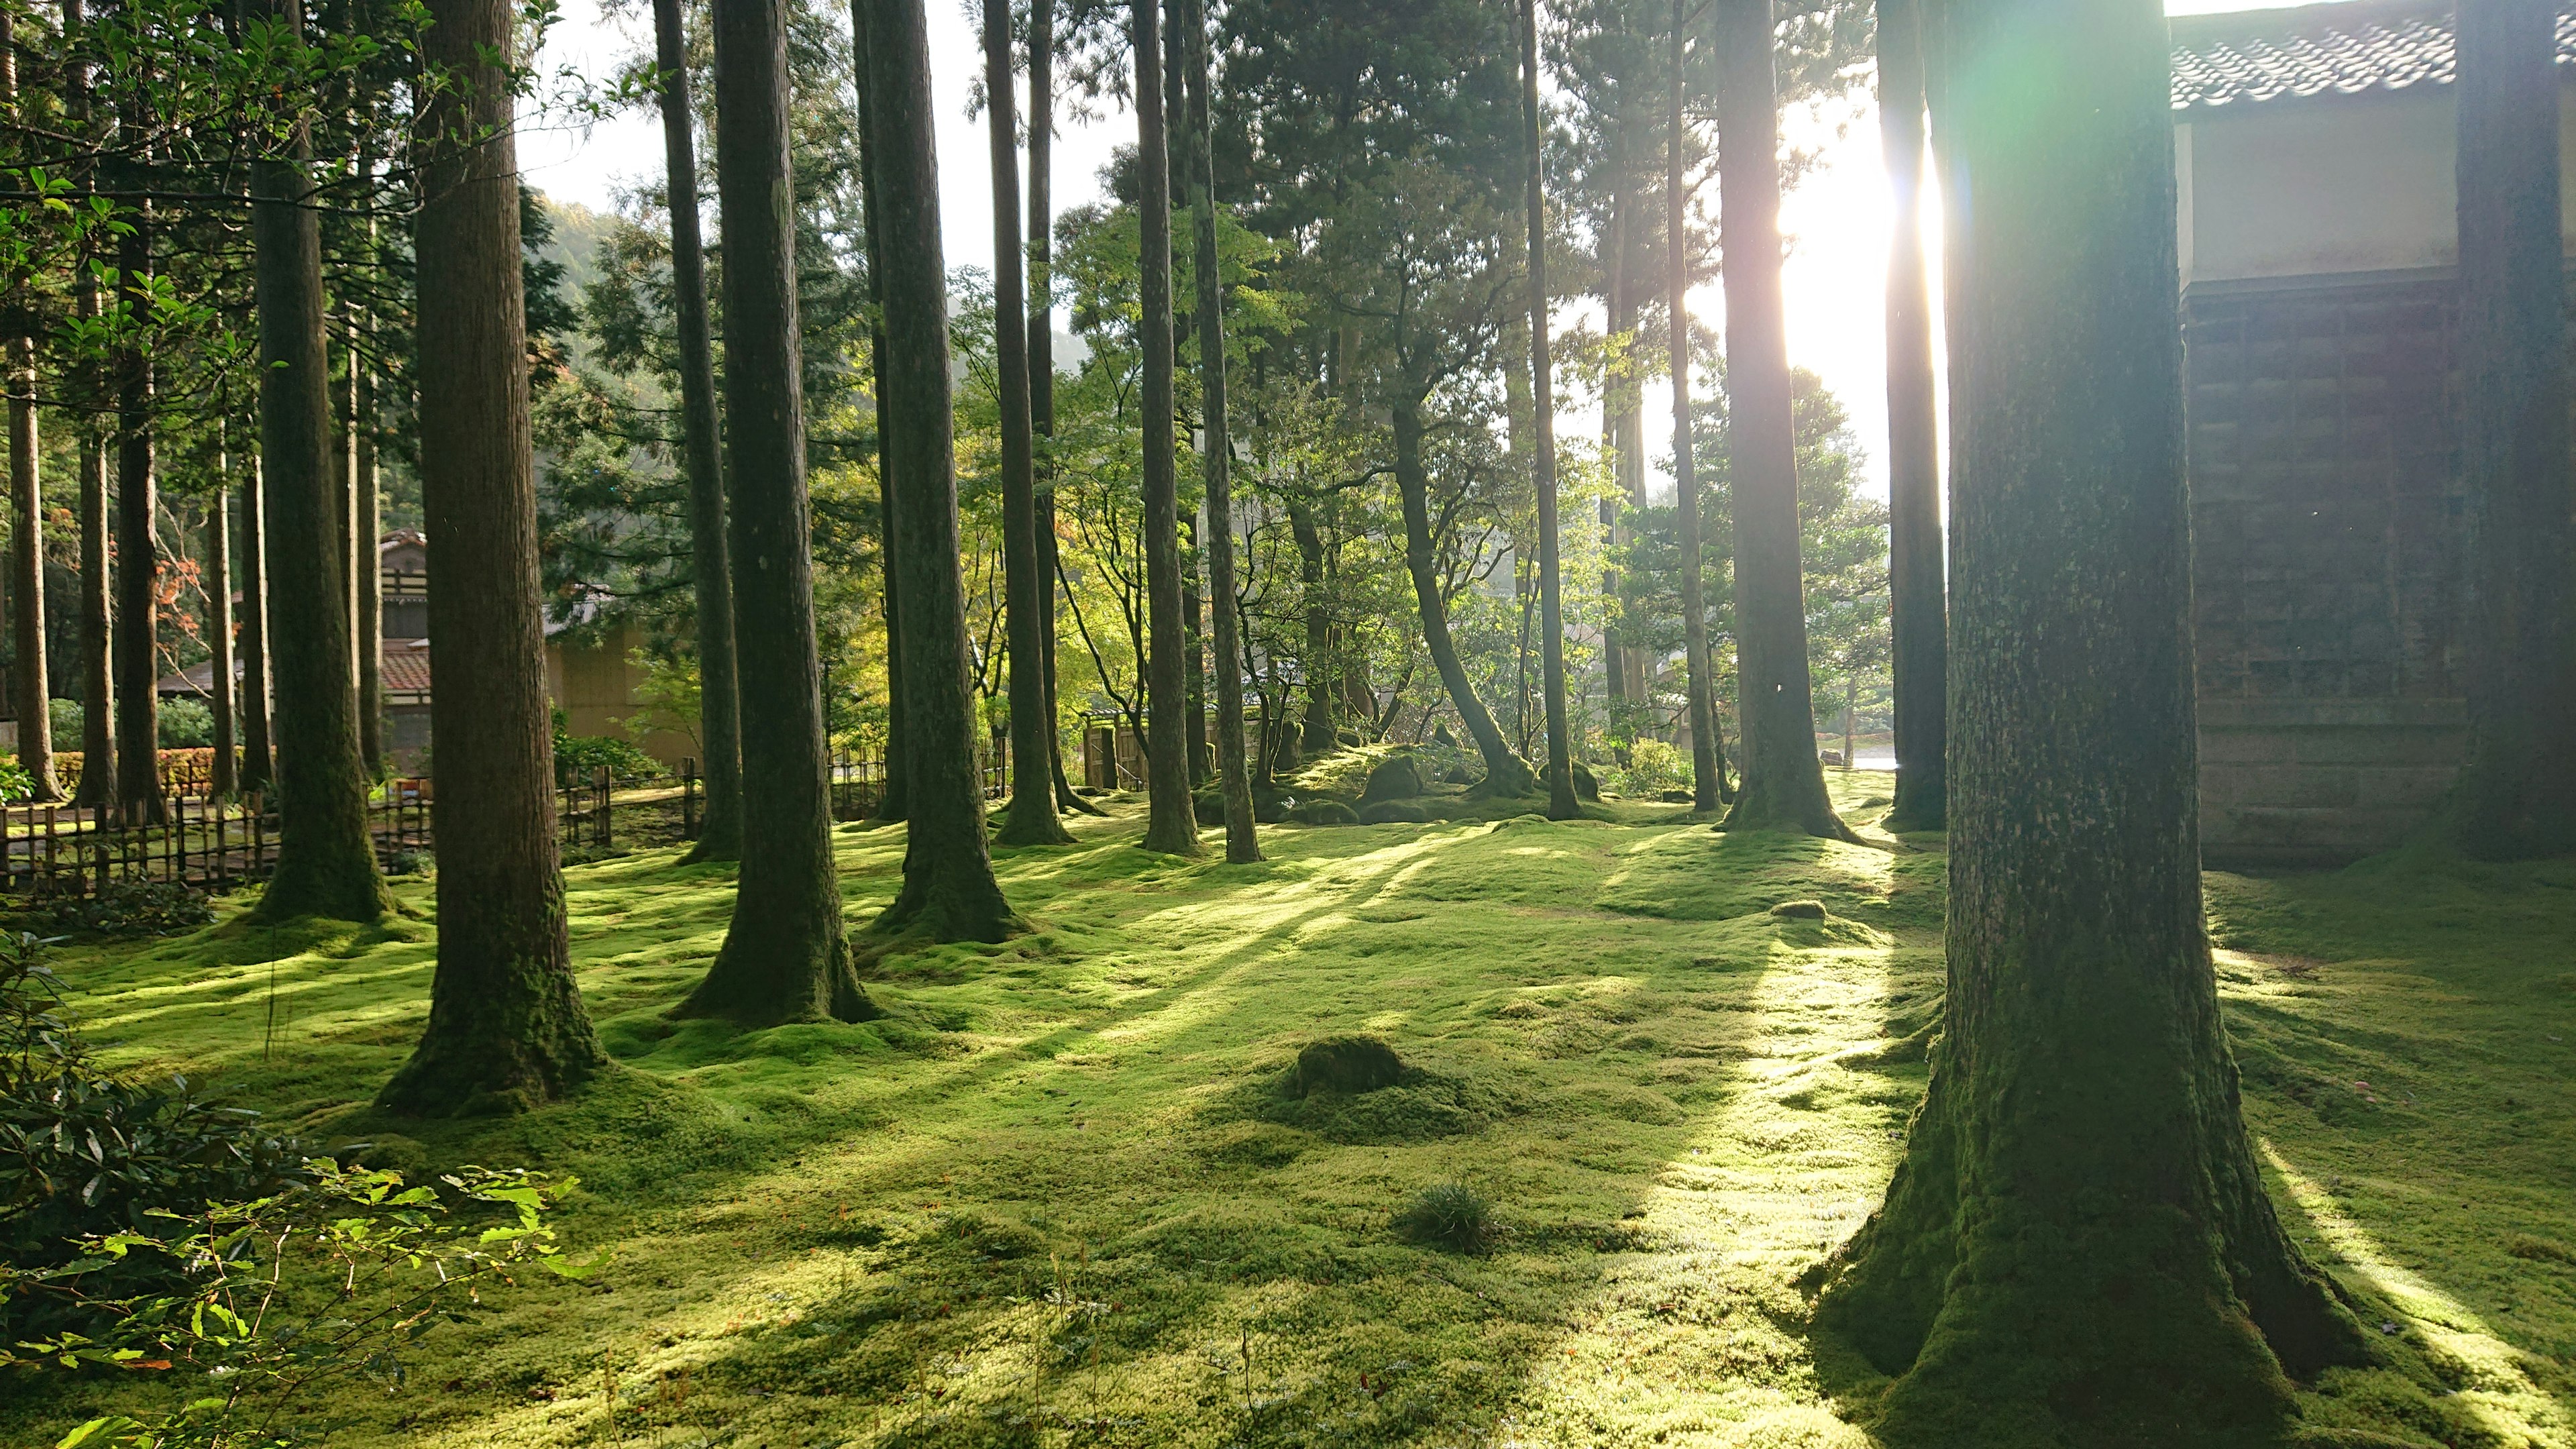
(1057, 1197)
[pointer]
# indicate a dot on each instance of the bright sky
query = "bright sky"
(1837, 220)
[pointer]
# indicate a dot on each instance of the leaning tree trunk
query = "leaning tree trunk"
(27, 577)
(326, 862)
(258, 769)
(719, 703)
(138, 546)
(1216, 453)
(1506, 773)
(1784, 780)
(219, 630)
(785, 956)
(2516, 796)
(1562, 803)
(1171, 823)
(2077, 1248)
(1031, 819)
(1708, 754)
(1915, 571)
(507, 1028)
(949, 893)
(894, 800)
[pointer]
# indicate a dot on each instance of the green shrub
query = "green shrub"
(15, 782)
(1653, 767)
(580, 758)
(1450, 1215)
(186, 724)
(128, 908)
(67, 719)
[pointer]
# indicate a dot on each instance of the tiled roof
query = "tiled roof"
(2344, 48)
(406, 669)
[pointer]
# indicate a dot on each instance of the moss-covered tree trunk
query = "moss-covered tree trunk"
(507, 1028)
(1216, 451)
(949, 892)
(137, 630)
(1506, 773)
(2077, 1248)
(1031, 819)
(701, 442)
(1171, 825)
(258, 767)
(27, 578)
(894, 799)
(2516, 796)
(226, 780)
(366, 563)
(785, 955)
(1784, 781)
(1915, 575)
(1709, 788)
(1316, 734)
(1562, 804)
(326, 862)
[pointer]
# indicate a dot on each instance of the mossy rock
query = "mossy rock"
(1392, 812)
(1398, 777)
(1587, 786)
(1208, 807)
(1324, 812)
(1351, 1064)
(1272, 810)
(1677, 797)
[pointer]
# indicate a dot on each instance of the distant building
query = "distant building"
(2314, 148)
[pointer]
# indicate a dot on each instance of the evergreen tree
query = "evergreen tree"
(1561, 801)
(1171, 825)
(1920, 656)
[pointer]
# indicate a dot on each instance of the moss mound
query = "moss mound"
(1392, 812)
(1395, 778)
(1323, 812)
(1351, 1064)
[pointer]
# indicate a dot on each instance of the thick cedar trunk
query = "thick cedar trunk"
(137, 629)
(258, 769)
(1216, 454)
(719, 703)
(219, 631)
(1708, 756)
(326, 863)
(507, 1028)
(1041, 328)
(948, 893)
(367, 580)
(2516, 796)
(1170, 825)
(1784, 781)
(1031, 819)
(894, 800)
(97, 784)
(1915, 578)
(785, 955)
(2076, 1248)
(1506, 773)
(27, 577)
(1562, 803)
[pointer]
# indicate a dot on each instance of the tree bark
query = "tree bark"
(258, 769)
(1216, 452)
(1042, 369)
(137, 630)
(366, 578)
(1708, 755)
(2077, 1248)
(1031, 819)
(326, 862)
(2516, 795)
(1784, 781)
(219, 630)
(1920, 645)
(1316, 734)
(97, 784)
(1613, 261)
(785, 955)
(1171, 826)
(1506, 773)
(894, 801)
(27, 581)
(701, 432)
(1562, 804)
(507, 1028)
(949, 893)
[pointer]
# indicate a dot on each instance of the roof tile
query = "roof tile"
(2347, 47)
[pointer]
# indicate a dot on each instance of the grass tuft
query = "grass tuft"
(1451, 1216)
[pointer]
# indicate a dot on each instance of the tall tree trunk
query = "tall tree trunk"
(367, 580)
(1506, 773)
(1171, 826)
(97, 784)
(1041, 330)
(1216, 452)
(1708, 755)
(1031, 819)
(326, 862)
(719, 700)
(1784, 781)
(2077, 1247)
(1915, 573)
(1194, 631)
(785, 956)
(258, 769)
(2516, 796)
(1316, 735)
(219, 628)
(138, 544)
(1613, 260)
(507, 1028)
(949, 893)
(27, 577)
(1562, 803)
(894, 800)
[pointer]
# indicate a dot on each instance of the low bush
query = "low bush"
(127, 908)
(580, 758)
(185, 724)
